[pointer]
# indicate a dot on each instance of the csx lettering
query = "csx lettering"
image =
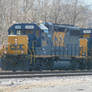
(16, 47)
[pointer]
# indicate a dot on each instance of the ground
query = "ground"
(56, 84)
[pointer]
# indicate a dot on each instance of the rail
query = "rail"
(32, 74)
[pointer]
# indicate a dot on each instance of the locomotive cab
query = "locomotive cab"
(22, 39)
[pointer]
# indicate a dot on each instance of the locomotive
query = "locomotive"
(47, 46)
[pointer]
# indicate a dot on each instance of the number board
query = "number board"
(17, 27)
(29, 27)
(87, 31)
(24, 27)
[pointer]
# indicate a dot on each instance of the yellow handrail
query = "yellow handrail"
(33, 51)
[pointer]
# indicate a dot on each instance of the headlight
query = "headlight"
(16, 41)
(5, 52)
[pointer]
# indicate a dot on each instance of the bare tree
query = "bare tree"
(56, 11)
(75, 12)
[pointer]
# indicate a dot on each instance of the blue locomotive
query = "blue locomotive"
(47, 46)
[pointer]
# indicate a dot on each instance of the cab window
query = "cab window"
(11, 32)
(19, 32)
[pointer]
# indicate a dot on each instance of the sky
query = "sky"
(88, 1)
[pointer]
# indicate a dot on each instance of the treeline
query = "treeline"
(74, 12)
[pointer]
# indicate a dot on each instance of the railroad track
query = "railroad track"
(31, 74)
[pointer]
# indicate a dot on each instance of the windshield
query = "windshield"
(44, 28)
(19, 32)
(11, 32)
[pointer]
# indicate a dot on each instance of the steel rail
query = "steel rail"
(6, 75)
(46, 71)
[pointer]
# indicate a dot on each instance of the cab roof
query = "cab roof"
(24, 26)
